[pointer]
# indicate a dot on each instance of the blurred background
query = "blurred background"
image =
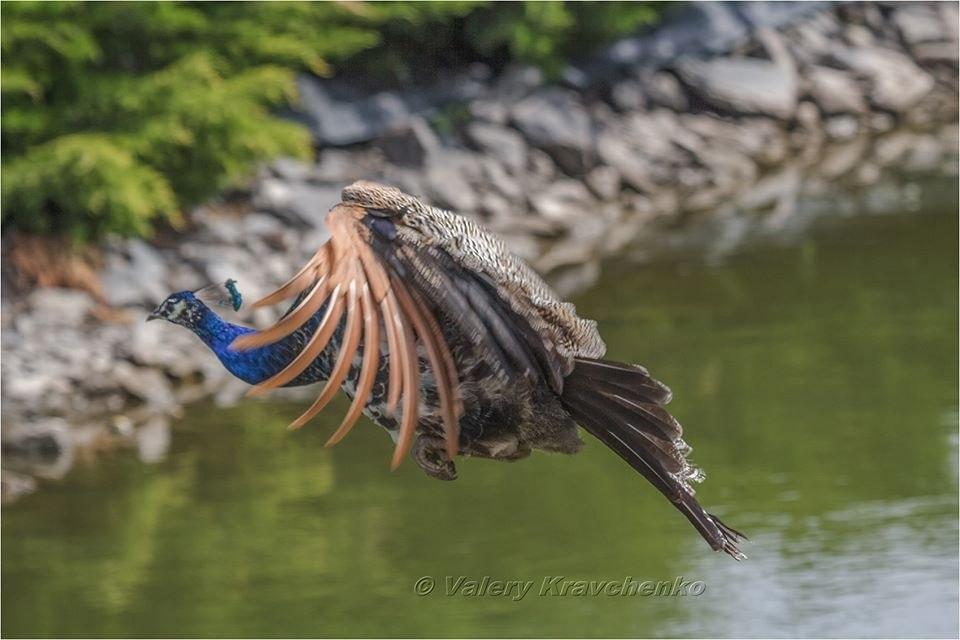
(756, 200)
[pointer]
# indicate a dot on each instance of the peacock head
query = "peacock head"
(181, 308)
(186, 308)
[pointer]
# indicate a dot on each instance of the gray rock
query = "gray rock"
(919, 23)
(343, 166)
(497, 177)
(897, 83)
(502, 143)
(555, 121)
(634, 168)
(841, 128)
(299, 203)
(340, 121)
(138, 280)
(694, 28)
(489, 111)
(447, 186)
(516, 81)
(411, 144)
(564, 202)
(604, 181)
(290, 169)
(46, 438)
(628, 95)
(834, 91)
(664, 90)
(742, 85)
(62, 306)
(148, 385)
(933, 52)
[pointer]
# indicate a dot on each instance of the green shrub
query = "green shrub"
(118, 114)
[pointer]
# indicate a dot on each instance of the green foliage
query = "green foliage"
(118, 114)
(552, 32)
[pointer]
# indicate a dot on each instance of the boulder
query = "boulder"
(343, 120)
(302, 204)
(742, 85)
(919, 23)
(447, 184)
(502, 143)
(664, 90)
(60, 306)
(834, 91)
(634, 168)
(604, 181)
(554, 120)
(897, 84)
(411, 144)
(564, 202)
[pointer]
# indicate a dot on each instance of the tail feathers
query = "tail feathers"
(620, 405)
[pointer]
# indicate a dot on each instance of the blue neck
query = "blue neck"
(218, 334)
(256, 365)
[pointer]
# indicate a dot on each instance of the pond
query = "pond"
(817, 381)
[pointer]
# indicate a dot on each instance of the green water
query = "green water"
(818, 384)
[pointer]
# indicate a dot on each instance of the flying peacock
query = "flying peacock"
(453, 345)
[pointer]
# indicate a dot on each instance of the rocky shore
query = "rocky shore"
(723, 108)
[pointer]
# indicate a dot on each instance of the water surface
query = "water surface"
(817, 380)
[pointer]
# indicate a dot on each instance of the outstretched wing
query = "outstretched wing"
(385, 285)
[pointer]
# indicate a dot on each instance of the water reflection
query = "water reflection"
(818, 384)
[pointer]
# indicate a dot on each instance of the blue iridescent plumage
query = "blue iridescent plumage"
(253, 366)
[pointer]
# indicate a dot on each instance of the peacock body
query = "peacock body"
(472, 353)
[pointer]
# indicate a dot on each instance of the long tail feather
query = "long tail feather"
(619, 405)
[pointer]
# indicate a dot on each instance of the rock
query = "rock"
(489, 111)
(136, 281)
(933, 52)
(411, 144)
(628, 95)
(834, 91)
(634, 168)
(604, 181)
(447, 186)
(344, 120)
(691, 29)
(563, 201)
(497, 177)
(290, 169)
(146, 384)
(897, 83)
(516, 81)
(919, 23)
(841, 128)
(742, 85)
(46, 438)
(502, 143)
(495, 208)
(540, 167)
(664, 90)
(859, 36)
(343, 166)
(62, 306)
(32, 389)
(299, 203)
(555, 121)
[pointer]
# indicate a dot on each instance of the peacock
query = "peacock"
(452, 344)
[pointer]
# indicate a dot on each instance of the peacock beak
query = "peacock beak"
(154, 315)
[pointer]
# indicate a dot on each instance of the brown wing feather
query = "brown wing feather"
(368, 368)
(347, 272)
